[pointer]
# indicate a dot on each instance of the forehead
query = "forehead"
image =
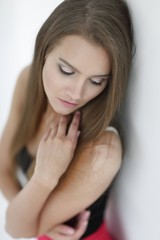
(83, 54)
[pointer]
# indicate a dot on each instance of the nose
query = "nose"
(76, 90)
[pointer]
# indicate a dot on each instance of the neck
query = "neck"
(50, 115)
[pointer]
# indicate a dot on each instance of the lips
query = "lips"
(68, 103)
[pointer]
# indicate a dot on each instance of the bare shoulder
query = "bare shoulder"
(107, 153)
(110, 143)
(101, 159)
(18, 101)
(12, 123)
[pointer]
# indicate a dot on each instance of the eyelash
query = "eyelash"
(71, 73)
(64, 72)
(96, 83)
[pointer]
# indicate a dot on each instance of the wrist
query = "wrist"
(45, 183)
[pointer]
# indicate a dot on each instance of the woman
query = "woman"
(60, 138)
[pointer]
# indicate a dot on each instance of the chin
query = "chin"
(63, 111)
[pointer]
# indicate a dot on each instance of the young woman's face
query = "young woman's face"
(75, 72)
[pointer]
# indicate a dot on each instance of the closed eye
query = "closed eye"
(97, 83)
(65, 70)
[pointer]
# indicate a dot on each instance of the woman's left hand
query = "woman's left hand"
(65, 232)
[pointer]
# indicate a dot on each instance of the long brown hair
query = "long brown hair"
(104, 22)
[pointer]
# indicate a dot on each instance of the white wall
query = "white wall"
(137, 195)
(20, 21)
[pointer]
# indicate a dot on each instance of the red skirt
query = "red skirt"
(101, 234)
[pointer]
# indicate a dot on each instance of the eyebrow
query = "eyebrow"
(107, 75)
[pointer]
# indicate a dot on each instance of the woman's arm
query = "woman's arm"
(55, 152)
(8, 183)
(38, 208)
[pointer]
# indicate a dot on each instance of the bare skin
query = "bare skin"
(9, 185)
(56, 144)
(51, 196)
(64, 232)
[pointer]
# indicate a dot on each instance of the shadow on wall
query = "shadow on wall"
(113, 218)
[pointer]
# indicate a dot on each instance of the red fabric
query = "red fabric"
(101, 234)
(44, 238)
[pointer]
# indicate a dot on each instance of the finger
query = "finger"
(65, 229)
(50, 133)
(84, 216)
(81, 229)
(53, 131)
(82, 224)
(46, 135)
(60, 236)
(62, 126)
(73, 129)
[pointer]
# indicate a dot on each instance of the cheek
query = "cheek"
(45, 78)
(49, 80)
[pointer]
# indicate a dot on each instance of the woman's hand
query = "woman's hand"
(64, 232)
(55, 151)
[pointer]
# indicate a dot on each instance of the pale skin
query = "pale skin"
(9, 185)
(49, 201)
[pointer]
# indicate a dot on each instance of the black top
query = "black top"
(24, 159)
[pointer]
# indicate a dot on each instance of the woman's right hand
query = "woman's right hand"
(55, 151)
(65, 232)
